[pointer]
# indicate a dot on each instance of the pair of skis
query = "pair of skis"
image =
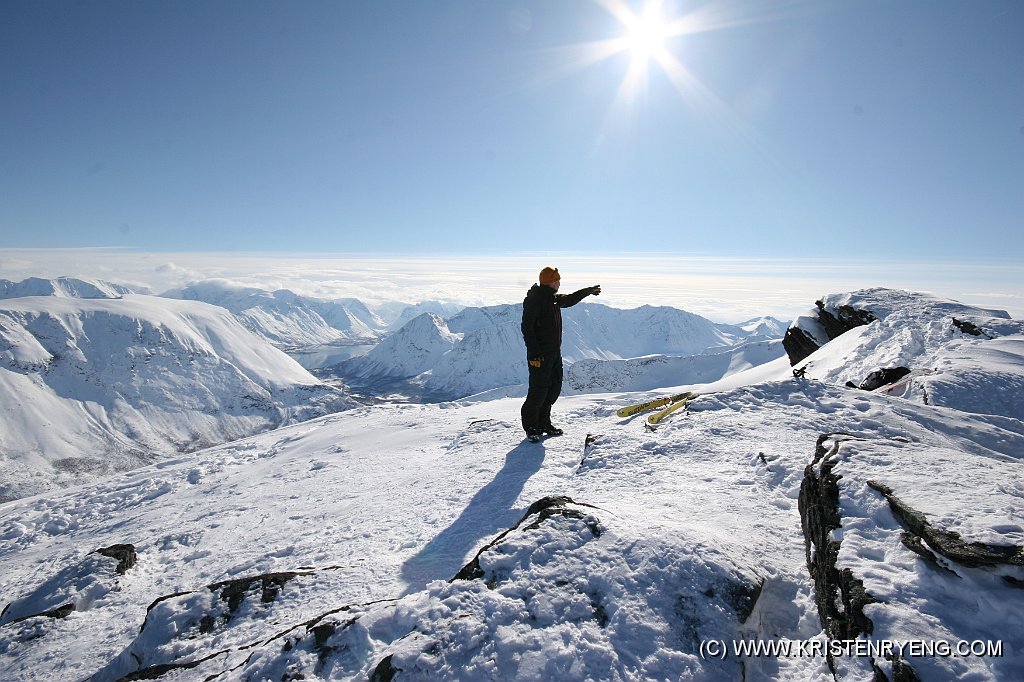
(674, 402)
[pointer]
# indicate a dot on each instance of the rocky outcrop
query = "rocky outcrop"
(819, 516)
(839, 595)
(842, 319)
(968, 327)
(125, 555)
(946, 543)
(800, 343)
(160, 649)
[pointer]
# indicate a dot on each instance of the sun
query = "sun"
(646, 34)
(651, 34)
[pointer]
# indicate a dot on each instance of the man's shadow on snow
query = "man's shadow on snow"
(487, 514)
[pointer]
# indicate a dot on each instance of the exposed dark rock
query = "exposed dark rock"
(60, 612)
(323, 635)
(48, 599)
(687, 621)
(158, 600)
(742, 597)
(969, 328)
(799, 344)
(845, 318)
(948, 543)
(125, 555)
(156, 671)
(1013, 582)
(233, 591)
(916, 545)
(819, 516)
(384, 672)
(902, 672)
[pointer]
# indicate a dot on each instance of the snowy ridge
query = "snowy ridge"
(285, 318)
(973, 355)
(64, 287)
(430, 542)
(92, 386)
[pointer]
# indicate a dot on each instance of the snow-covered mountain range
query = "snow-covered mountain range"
(481, 349)
(847, 533)
(287, 319)
(292, 322)
(96, 385)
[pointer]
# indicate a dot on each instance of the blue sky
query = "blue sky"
(847, 128)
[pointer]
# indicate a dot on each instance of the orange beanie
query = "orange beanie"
(549, 276)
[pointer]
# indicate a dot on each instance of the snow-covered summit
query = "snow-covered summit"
(410, 351)
(92, 386)
(956, 355)
(767, 327)
(65, 287)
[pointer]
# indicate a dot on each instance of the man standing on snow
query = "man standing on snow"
(542, 332)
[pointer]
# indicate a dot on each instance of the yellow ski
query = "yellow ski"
(630, 410)
(658, 416)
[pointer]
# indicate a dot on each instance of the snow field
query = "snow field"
(327, 549)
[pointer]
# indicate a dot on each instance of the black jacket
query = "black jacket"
(542, 319)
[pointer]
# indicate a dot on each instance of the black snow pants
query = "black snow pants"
(545, 386)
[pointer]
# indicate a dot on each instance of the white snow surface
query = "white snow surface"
(340, 535)
(91, 386)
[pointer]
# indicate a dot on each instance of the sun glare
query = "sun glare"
(649, 33)
(645, 39)
(645, 34)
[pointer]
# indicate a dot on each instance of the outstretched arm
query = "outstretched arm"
(569, 300)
